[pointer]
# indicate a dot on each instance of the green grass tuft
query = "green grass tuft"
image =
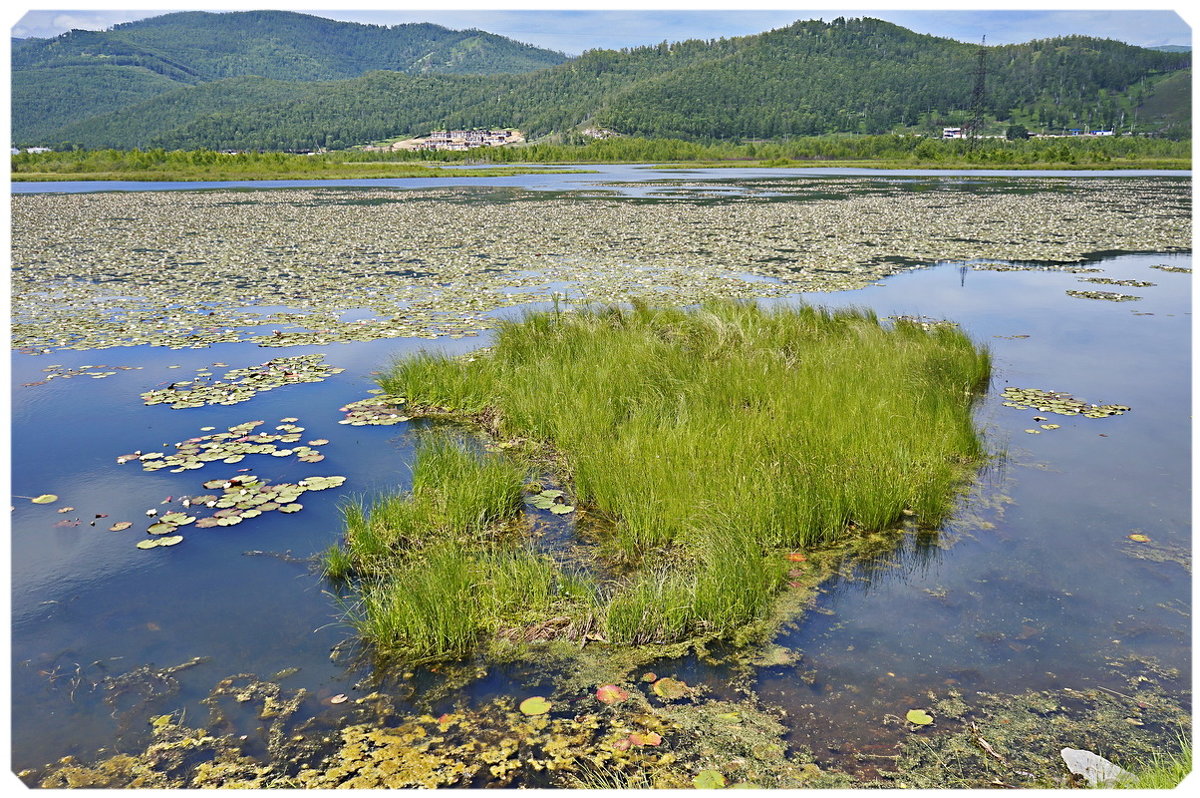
(1164, 771)
(716, 438)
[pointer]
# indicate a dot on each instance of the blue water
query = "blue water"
(602, 175)
(1038, 596)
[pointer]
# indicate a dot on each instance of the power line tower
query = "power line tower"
(976, 124)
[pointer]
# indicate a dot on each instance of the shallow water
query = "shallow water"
(1034, 584)
(619, 179)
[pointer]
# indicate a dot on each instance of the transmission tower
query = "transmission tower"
(976, 123)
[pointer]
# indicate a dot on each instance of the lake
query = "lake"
(1034, 585)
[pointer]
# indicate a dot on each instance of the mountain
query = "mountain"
(1171, 48)
(81, 73)
(811, 77)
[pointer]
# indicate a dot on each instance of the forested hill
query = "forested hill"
(812, 77)
(81, 73)
(197, 46)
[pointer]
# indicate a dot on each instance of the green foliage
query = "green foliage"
(714, 440)
(810, 78)
(433, 571)
(199, 46)
(1164, 771)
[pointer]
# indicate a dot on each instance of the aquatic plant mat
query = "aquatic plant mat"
(706, 453)
(646, 730)
(283, 267)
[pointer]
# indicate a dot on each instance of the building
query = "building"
(952, 132)
(467, 139)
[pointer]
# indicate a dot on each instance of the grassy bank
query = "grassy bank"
(880, 152)
(710, 448)
(159, 165)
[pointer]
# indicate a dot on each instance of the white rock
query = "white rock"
(1097, 770)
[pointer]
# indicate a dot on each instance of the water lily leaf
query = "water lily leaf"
(918, 717)
(1139, 538)
(170, 540)
(206, 523)
(611, 694)
(670, 689)
(149, 543)
(649, 677)
(290, 508)
(537, 705)
(644, 738)
(161, 528)
(45, 498)
(562, 509)
(117, 527)
(551, 494)
(709, 780)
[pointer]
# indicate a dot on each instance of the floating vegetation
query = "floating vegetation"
(103, 275)
(918, 717)
(1033, 267)
(1126, 283)
(1110, 296)
(379, 409)
(62, 372)
(242, 497)
(924, 322)
(228, 447)
(1162, 267)
(244, 383)
(1056, 402)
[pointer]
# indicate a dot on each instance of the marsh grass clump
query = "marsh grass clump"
(711, 440)
(439, 568)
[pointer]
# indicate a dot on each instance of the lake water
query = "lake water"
(1035, 584)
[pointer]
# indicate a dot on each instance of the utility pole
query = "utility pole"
(976, 123)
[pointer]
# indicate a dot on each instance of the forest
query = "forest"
(811, 78)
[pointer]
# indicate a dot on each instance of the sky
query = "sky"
(560, 26)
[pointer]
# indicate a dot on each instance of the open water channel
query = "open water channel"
(1035, 584)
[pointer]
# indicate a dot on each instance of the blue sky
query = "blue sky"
(572, 31)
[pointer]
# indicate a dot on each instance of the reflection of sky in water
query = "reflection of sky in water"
(1035, 601)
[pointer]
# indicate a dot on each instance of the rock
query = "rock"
(1097, 770)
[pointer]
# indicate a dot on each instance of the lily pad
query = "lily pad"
(170, 540)
(709, 780)
(918, 717)
(149, 543)
(611, 694)
(562, 509)
(670, 689)
(120, 525)
(645, 738)
(537, 705)
(45, 498)
(1139, 537)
